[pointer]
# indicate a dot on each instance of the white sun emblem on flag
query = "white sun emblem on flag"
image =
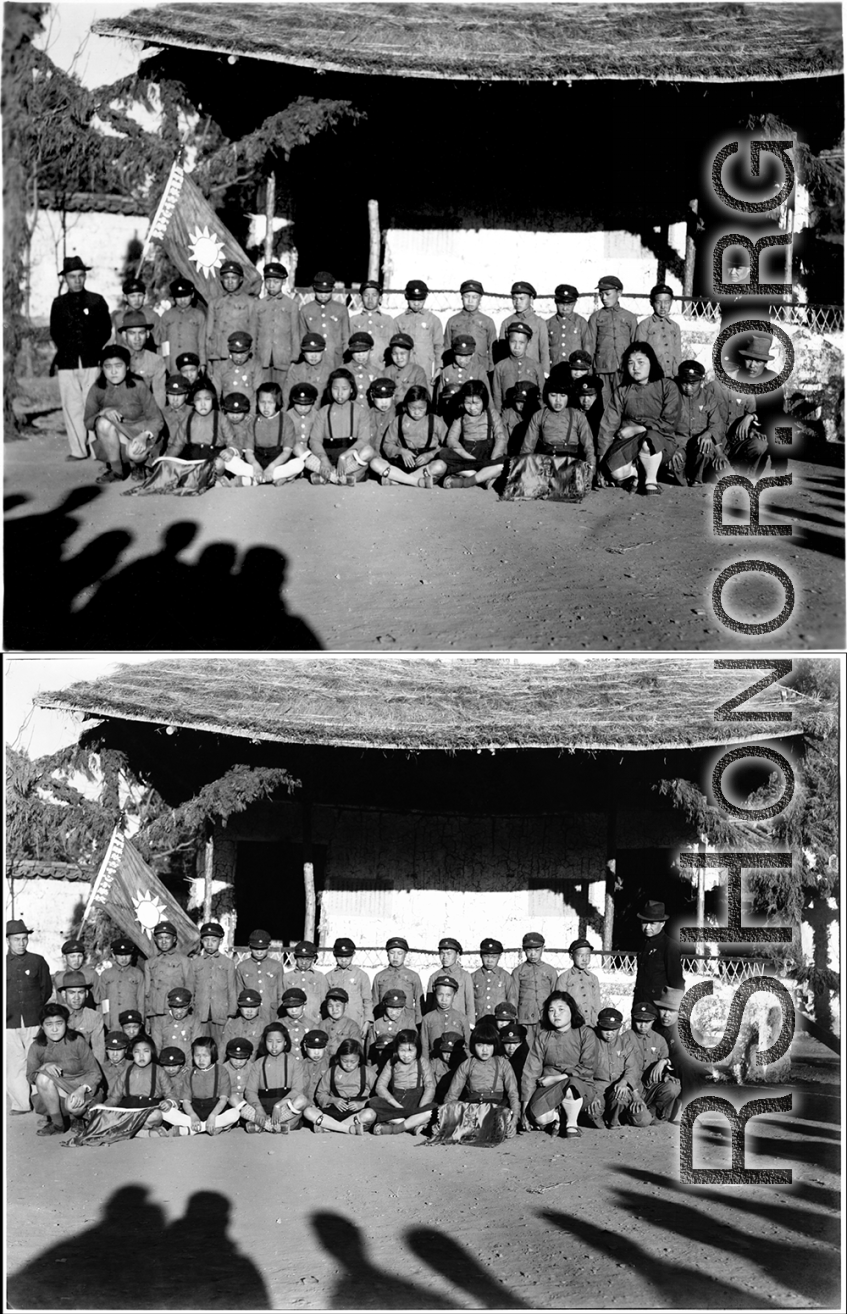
(205, 250)
(149, 909)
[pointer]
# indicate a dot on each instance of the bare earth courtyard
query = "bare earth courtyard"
(405, 569)
(311, 1222)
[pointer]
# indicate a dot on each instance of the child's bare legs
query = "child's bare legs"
(424, 477)
(353, 466)
(110, 442)
(316, 474)
(472, 478)
(290, 469)
(354, 1125)
(416, 1120)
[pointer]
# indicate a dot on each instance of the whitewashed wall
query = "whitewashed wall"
(101, 240)
(50, 908)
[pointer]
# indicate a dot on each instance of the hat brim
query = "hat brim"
(643, 917)
(754, 355)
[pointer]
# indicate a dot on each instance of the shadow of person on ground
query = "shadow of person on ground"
(207, 1270)
(453, 1262)
(361, 1283)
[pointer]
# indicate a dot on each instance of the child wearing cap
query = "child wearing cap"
(617, 1076)
(265, 446)
(117, 1062)
(340, 449)
(566, 331)
(121, 985)
(73, 953)
(381, 409)
(404, 372)
(261, 973)
(660, 330)
(424, 328)
(164, 970)
(448, 1053)
(144, 1085)
(204, 1093)
(145, 364)
(343, 1092)
(519, 405)
(513, 1040)
(660, 1089)
(470, 322)
(182, 327)
(277, 326)
(581, 983)
(391, 1016)
(354, 981)
(177, 391)
(304, 976)
(483, 1104)
(443, 1017)
(358, 361)
(411, 444)
(475, 449)
(491, 983)
(188, 365)
(312, 366)
(240, 371)
(379, 1050)
(273, 1102)
(334, 1022)
(297, 1022)
(86, 1021)
(237, 1054)
(172, 1061)
(135, 293)
(123, 417)
(534, 981)
(611, 329)
(463, 362)
(132, 1024)
(205, 431)
(557, 459)
(518, 365)
(62, 1068)
(299, 418)
(374, 321)
(396, 976)
(448, 952)
(232, 311)
(215, 994)
(559, 1069)
(248, 1023)
(326, 316)
(699, 428)
(313, 1065)
(586, 395)
(405, 1089)
(538, 348)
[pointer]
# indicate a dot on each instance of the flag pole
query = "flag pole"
(164, 210)
(112, 853)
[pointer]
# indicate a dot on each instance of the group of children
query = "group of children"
(263, 391)
(204, 1044)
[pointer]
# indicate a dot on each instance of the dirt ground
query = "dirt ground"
(325, 1222)
(405, 569)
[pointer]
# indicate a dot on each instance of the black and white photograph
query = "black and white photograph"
(580, 267)
(478, 908)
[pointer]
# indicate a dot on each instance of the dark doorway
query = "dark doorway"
(644, 874)
(269, 889)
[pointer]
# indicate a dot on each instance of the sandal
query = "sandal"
(572, 1131)
(385, 479)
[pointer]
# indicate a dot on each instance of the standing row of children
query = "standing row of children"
(268, 390)
(497, 1050)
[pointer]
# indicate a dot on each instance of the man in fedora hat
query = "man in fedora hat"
(752, 355)
(28, 987)
(148, 365)
(80, 326)
(659, 963)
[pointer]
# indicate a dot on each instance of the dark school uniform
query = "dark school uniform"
(277, 340)
(337, 1084)
(89, 1023)
(203, 1089)
(384, 1026)
(338, 1029)
(179, 1032)
(409, 1088)
(114, 1075)
(121, 988)
(379, 422)
(534, 983)
(201, 437)
(363, 376)
(438, 1022)
(149, 366)
(512, 370)
(515, 425)
(406, 377)
(415, 436)
(518, 1061)
(297, 1030)
(264, 976)
(314, 985)
(399, 978)
(227, 314)
(481, 436)
(699, 417)
(565, 333)
(297, 428)
(332, 322)
(659, 967)
(463, 1000)
(584, 989)
(382, 328)
(610, 331)
(162, 973)
(243, 1028)
(358, 986)
(309, 1073)
(265, 439)
(571, 1052)
(302, 372)
(427, 333)
(215, 993)
(538, 347)
(177, 331)
(473, 324)
(659, 1096)
(489, 1081)
(228, 377)
(615, 1060)
(442, 1071)
(665, 338)
(28, 988)
(493, 986)
(270, 1079)
(655, 405)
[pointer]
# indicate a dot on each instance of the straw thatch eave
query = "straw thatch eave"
(697, 42)
(473, 704)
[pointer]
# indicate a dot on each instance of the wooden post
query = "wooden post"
(208, 872)
(611, 863)
(690, 230)
(700, 947)
(270, 209)
(308, 874)
(373, 253)
(661, 264)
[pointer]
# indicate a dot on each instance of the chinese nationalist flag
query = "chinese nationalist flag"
(195, 238)
(134, 897)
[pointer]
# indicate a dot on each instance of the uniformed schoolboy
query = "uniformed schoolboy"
(370, 319)
(277, 326)
(237, 1056)
(179, 1026)
(538, 347)
(261, 973)
(470, 322)
(505, 1013)
(148, 365)
(135, 293)
(188, 365)
(215, 992)
(315, 1063)
(164, 970)
(305, 976)
(680, 1066)
(379, 1050)
(354, 981)
(249, 1021)
(381, 409)
(296, 1020)
(463, 362)
(177, 389)
(424, 328)
(535, 980)
(391, 1014)
(183, 327)
(744, 442)
(491, 983)
(517, 366)
(334, 1020)
(312, 367)
(579, 366)
(513, 1040)
(581, 983)
(586, 395)
(132, 1024)
(699, 424)
(448, 1054)
(232, 311)
(617, 1076)
(364, 373)
(610, 331)
(660, 330)
(403, 371)
(660, 1087)
(73, 952)
(444, 1016)
(327, 317)
(121, 985)
(519, 406)
(240, 372)
(398, 977)
(117, 1062)
(566, 330)
(172, 1061)
(87, 1021)
(236, 407)
(448, 951)
(300, 417)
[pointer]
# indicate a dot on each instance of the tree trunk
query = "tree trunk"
(373, 253)
(270, 210)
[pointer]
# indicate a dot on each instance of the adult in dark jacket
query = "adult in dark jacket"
(80, 326)
(28, 987)
(659, 965)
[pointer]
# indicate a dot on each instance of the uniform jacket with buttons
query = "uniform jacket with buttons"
(731, 405)
(383, 1025)
(610, 331)
(382, 328)
(228, 377)
(480, 327)
(338, 1029)
(332, 322)
(297, 1029)
(89, 1023)
(28, 987)
(215, 992)
(535, 982)
(463, 1000)
(427, 333)
(538, 347)
(453, 375)
(438, 1022)
(169, 1031)
(363, 376)
(237, 1082)
(566, 333)
(653, 1048)
(665, 338)
(120, 988)
(659, 966)
(242, 1028)
(405, 378)
(399, 978)
(491, 988)
(277, 341)
(309, 1073)
(621, 1057)
(512, 370)
(302, 372)
(228, 313)
(164, 972)
(699, 417)
(358, 986)
(181, 330)
(80, 326)
(151, 368)
(264, 976)
(584, 989)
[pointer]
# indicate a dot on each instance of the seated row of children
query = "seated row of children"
(487, 1073)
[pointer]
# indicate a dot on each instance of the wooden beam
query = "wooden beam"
(308, 873)
(270, 210)
(690, 230)
(208, 873)
(373, 252)
(611, 865)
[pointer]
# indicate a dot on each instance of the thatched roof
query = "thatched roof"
(478, 703)
(702, 42)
